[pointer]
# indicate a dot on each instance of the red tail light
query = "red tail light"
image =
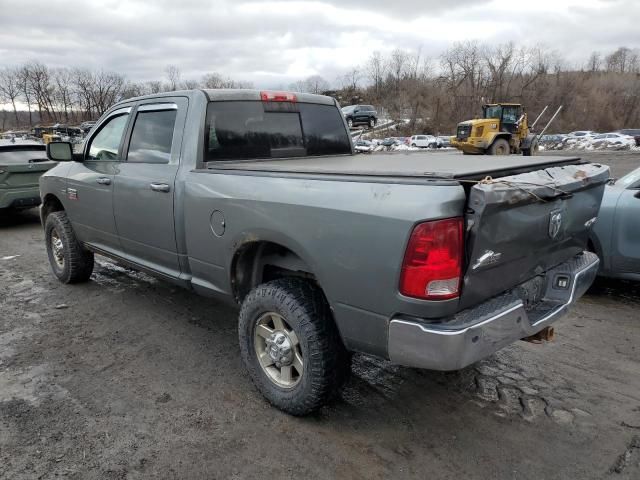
(432, 264)
(278, 97)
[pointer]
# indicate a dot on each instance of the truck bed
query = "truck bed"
(445, 165)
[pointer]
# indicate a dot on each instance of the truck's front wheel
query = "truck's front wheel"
(290, 345)
(500, 147)
(69, 261)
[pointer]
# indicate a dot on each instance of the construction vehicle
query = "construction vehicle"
(503, 129)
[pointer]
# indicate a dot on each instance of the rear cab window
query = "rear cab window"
(237, 130)
(152, 134)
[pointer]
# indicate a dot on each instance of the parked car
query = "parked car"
(256, 198)
(360, 115)
(86, 126)
(582, 134)
(633, 132)
(390, 142)
(616, 235)
(364, 146)
(614, 137)
(445, 141)
(425, 141)
(21, 164)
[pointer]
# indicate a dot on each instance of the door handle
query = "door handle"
(104, 180)
(160, 187)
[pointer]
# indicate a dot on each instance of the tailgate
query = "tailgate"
(519, 227)
(23, 174)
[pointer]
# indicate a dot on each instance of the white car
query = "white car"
(425, 141)
(614, 137)
(583, 134)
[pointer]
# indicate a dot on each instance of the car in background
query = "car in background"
(613, 136)
(613, 139)
(632, 132)
(425, 141)
(86, 126)
(553, 138)
(445, 141)
(615, 236)
(363, 146)
(22, 162)
(360, 115)
(582, 134)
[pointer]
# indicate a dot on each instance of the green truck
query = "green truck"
(22, 162)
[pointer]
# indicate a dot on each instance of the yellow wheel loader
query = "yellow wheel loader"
(502, 130)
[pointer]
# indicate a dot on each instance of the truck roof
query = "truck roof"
(412, 164)
(234, 94)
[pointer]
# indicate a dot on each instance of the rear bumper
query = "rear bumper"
(482, 330)
(20, 197)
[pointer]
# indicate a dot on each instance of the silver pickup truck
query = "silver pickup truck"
(431, 260)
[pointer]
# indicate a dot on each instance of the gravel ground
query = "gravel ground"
(129, 377)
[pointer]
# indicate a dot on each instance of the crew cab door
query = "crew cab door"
(144, 193)
(90, 183)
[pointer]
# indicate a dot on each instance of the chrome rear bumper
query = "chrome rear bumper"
(480, 331)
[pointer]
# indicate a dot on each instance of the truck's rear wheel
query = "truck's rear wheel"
(533, 150)
(290, 345)
(69, 261)
(499, 147)
(372, 122)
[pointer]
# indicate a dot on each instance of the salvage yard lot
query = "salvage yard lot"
(129, 377)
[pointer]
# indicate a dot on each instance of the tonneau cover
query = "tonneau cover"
(413, 164)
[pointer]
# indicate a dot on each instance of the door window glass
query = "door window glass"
(104, 146)
(152, 136)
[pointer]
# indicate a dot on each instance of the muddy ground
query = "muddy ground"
(129, 377)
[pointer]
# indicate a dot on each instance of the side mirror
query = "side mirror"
(60, 151)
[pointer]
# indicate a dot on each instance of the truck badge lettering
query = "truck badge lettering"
(72, 194)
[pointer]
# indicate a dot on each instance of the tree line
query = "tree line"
(434, 94)
(431, 94)
(36, 93)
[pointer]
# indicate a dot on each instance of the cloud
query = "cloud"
(274, 42)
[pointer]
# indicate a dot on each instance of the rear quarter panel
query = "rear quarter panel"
(351, 233)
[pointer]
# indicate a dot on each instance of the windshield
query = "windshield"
(249, 129)
(348, 109)
(493, 112)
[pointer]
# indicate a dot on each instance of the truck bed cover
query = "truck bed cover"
(413, 164)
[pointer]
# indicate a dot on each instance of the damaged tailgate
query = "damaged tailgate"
(520, 226)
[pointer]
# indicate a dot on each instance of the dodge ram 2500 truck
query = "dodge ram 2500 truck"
(429, 260)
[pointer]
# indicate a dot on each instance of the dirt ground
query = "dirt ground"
(129, 377)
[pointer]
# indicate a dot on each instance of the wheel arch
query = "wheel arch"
(261, 260)
(50, 203)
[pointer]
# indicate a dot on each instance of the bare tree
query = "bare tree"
(24, 84)
(313, 84)
(623, 60)
(351, 78)
(397, 66)
(10, 89)
(173, 76)
(376, 70)
(594, 63)
(191, 84)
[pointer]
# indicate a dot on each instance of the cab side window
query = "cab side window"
(104, 145)
(152, 137)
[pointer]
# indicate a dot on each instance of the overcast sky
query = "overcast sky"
(272, 43)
